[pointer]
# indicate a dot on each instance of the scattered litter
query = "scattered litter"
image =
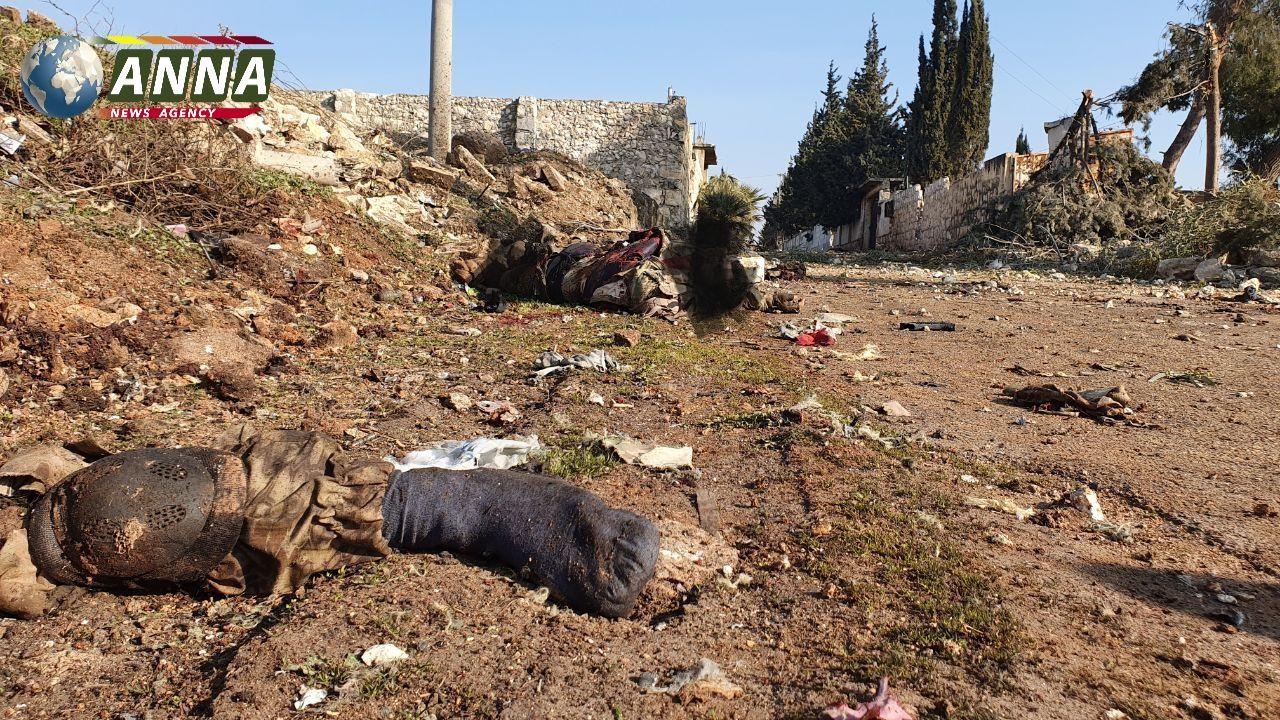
(383, 655)
(704, 681)
(658, 457)
(179, 230)
(595, 398)
(816, 338)
(490, 453)
(499, 412)
(1109, 405)
(789, 331)
(884, 706)
(1085, 500)
(1005, 506)
(1114, 531)
(869, 352)
(552, 363)
(893, 408)
(310, 696)
(1199, 378)
(464, 331)
(928, 326)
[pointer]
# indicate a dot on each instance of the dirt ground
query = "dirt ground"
(863, 555)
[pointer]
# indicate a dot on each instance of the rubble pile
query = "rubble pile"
(482, 198)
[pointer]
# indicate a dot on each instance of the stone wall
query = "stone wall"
(650, 146)
(942, 213)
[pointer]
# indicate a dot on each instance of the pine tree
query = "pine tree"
(969, 122)
(793, 207)
(928, 144)
(874, 145)
(1024, 143)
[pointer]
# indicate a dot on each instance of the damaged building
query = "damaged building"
(650, 146)
(898, 216)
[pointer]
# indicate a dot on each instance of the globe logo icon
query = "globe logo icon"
(61, 76)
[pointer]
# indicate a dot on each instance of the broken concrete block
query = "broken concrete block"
(343, 139)
(554, 178)
(432, 174)
(249, 128)
(472, 165)
(1178, 268)
(323, 170)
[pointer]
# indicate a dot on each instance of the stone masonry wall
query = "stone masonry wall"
(943, 212)
(647, 145)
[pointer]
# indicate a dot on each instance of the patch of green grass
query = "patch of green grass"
(581, 461)
(266, 180)
(320, 672)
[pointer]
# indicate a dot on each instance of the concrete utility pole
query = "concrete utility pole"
(440, 127)
(1213, 111)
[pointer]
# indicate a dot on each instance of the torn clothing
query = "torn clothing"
(308, 511)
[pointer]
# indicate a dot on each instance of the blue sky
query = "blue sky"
(752, 70)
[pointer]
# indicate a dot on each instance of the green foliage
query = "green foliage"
(1246, 215)
(1250, 86)
(727, 212)
(969, 121)
(1023, 146)
(577, 461)
(928, 150)
(1132, 200)
(855, 136)
(1250, 79)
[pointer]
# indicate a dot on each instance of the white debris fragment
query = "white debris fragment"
(310, 696)
(383, 655)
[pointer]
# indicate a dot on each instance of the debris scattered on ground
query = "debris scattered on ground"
(704, 681)
(928, 326)
(1199, 378)
(553, 363)
(893, 408)
(383, 655)
(485, 452)
(690, 557)
(309, 697)
(36, 469)
(883, 706)
(1008, 507)
(1108, 405)
(1085, 500)
(657, 457)
(816, 338)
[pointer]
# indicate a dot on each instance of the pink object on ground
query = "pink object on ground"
(884, 706)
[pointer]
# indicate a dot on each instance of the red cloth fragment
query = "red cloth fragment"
(816, 338)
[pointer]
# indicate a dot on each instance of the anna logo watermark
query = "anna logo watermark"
(157, 77)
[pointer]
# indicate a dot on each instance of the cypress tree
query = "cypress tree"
(915, 162)
(875, 143)
(1024, 144)
(930, 150)
(969, 122)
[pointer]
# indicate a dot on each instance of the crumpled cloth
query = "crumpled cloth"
(1107, 405)
(308, 511)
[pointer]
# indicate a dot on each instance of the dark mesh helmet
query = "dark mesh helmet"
(146, 515)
